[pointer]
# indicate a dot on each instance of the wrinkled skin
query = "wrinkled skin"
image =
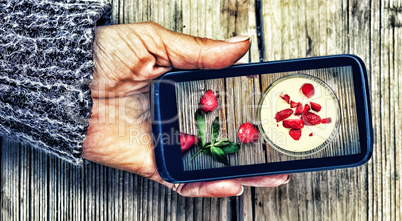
(127, 58)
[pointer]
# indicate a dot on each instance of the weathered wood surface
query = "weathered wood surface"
(35, 186)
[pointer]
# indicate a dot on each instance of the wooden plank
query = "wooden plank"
(25, 180)
(385, 79)
(53, 188)
(386, 54)
(374, 183)
(397, 97)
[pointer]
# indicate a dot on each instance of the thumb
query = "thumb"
(189, 52)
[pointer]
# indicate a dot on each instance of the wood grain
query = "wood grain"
(35, 186)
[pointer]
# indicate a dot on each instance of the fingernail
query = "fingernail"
(239, 38)
(241, 192)
(287, 180)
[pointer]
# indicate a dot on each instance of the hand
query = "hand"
(127, 58)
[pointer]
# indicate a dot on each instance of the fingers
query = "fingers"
(226, 188)
(265, 181)
(221, 188)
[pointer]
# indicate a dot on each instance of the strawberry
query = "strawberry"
(293, 104)
(311, 134)
(316, 107)
(299, 109)
(326, 120)
(187, 141)
(307, 89)
(293, 123)
(285, 97)
(295, 133)
(208, 101)
(311, 119)
(306, 109)
(247, 133)
(283, 114)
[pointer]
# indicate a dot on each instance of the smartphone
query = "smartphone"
(256, 119)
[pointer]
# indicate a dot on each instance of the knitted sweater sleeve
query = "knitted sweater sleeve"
(45, 70)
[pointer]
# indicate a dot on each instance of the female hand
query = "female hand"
(127, 58)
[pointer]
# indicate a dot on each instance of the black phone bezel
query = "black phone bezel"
(168, 157)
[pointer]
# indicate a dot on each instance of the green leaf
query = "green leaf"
(231, 148)
(222, 143)
(207, 151)
(215, 129)
(219, 155)
(202, 128)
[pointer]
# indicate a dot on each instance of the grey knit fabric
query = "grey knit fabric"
(45, 70)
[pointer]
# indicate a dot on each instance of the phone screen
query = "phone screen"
(267, 118)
